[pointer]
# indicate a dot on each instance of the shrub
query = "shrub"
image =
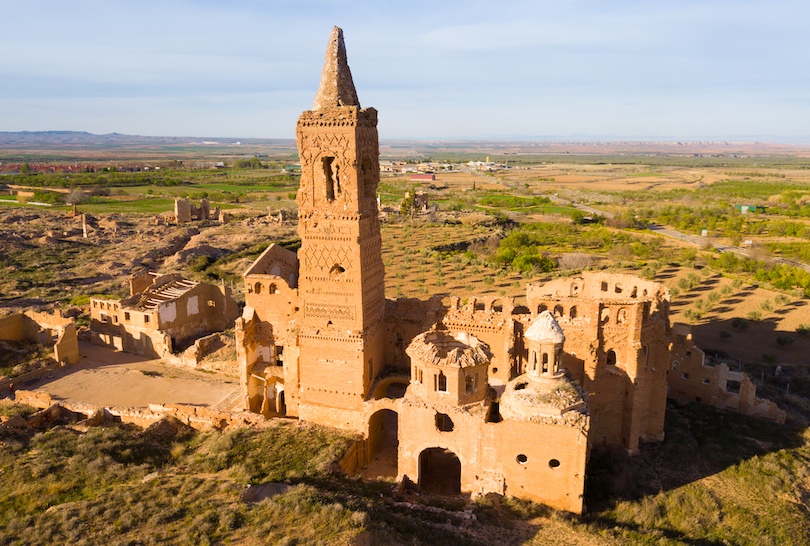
(739, 323)
(754, 315)
(784, 341)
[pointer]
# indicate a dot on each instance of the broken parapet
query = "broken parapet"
(691, 380)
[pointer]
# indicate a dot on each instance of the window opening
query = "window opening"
(331, 175)
(441, 382)
(444, 423)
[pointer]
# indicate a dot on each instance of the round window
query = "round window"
(554, 463)
(522, 458)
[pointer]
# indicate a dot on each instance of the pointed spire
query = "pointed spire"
(337, 87)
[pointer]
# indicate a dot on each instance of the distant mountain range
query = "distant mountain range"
(69, 139)
(84, 145)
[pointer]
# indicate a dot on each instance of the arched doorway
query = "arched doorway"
(273, 403)
(439, 472)
(383, 445)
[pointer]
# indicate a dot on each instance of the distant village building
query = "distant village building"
(423, 177)
(745, 209)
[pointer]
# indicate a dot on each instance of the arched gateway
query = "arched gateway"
(439, 471)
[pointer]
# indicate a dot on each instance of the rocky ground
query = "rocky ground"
(45, 258)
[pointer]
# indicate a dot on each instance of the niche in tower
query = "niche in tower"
(330, 173)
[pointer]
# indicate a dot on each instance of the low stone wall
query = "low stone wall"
(198, 417)
(354, 458)
(21, 380)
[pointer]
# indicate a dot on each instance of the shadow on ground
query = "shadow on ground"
(700, 441)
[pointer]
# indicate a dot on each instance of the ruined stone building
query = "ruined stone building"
(163, 313)
(185, 211)
(45, 329)
(617, 348)
(692, 379)
(477, 395)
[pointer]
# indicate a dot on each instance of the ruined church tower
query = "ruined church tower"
(341, 277)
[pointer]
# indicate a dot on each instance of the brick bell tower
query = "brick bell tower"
(341, 276)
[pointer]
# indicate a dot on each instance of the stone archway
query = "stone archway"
(391, 387)
(382, 445)
(439, 471)
(273, 402)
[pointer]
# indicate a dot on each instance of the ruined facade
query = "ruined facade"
(692, 379)
(185, 211)
(617, 348)
(45, 329)
(163, 313)
(317, 339)
(475, 395)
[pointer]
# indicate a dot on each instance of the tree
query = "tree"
(76, 197)
(408, 206)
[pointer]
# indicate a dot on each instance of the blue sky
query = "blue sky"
(571, 69)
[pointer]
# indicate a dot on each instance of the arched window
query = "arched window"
(540, 308)
(272, 289)
(621, 315)
(610, 358)
(336, 270)
(572, 313)
(257, 288)
(545, 362)
(605, 317)
(558, 311)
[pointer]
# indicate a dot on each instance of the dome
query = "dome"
(527, 397)
(545, 329)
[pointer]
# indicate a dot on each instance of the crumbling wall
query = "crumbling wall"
(185, 212)
(489, 319)
(617, 346)
(45, 329)
(157, 324)
(691, 380)
(198, 417)
(406, 318)
(182, 210)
